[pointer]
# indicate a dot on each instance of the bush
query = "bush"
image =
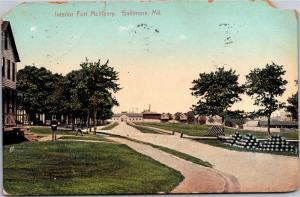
(202, 120)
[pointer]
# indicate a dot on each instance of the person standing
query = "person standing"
(54, 129)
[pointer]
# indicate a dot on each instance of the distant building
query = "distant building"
(151, 116)
(165, 117)
(124, 117)
(183, 118)
(275, 125)
(278, 124)
(9, 58)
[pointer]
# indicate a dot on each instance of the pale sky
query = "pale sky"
(158, 61)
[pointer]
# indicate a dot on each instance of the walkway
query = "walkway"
(256, 172)
(198, 179)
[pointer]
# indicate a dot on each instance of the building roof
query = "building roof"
(6, 27)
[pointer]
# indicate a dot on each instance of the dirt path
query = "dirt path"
(256, 172)
(198, 179)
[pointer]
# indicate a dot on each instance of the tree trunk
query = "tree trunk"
(95, 121)
(223, 125)
(72, 122)
(89, 122)
(269, 121)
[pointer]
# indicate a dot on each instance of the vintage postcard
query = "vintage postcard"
(149, 97)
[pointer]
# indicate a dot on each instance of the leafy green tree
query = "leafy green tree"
(265, 85)
(57, 97)
(237, 117)
(77, 94)
(37, 86)
(177, 116)
(292, 106)
(100, 83)
(217, 92)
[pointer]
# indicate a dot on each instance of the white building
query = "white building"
(124, 117)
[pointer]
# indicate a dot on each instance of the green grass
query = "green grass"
(175, 153)
(202, 130)
(146, 130)
(188, 129)
(48, 131)
(220, 144)
(111, 126)
(82, 168)
(183, 156)
(86, 137)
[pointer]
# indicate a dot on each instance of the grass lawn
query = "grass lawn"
(202, 130)
(220, 144)
(175, 153)
(111, 126)
(146, 130)
(82, 168)
(183, 156)
(85, 137)
(47, 131)
(196, 130)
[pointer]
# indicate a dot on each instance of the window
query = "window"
(8, 69)
(13, 71)
(3, 66)
(6, 40)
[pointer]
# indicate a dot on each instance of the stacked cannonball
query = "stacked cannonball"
(276, 144)
(248, 141)
(234, 139)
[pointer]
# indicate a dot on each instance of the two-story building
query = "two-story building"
(9, 58)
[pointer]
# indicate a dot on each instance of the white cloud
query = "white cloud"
(182, 36)
(125, 28)
(32, 28)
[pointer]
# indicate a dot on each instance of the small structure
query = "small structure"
(165, 117)
(183, 118)
(151, 116)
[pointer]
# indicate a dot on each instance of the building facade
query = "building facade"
(130, 117)
(9, 59)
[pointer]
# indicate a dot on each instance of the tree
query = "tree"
(217, 91)
(237, 117)
(265, 85)
(292, 106)
(57, 97)
(37, 85)
(190, 117)
(101, 83)
(170, 116)
(177, 116)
